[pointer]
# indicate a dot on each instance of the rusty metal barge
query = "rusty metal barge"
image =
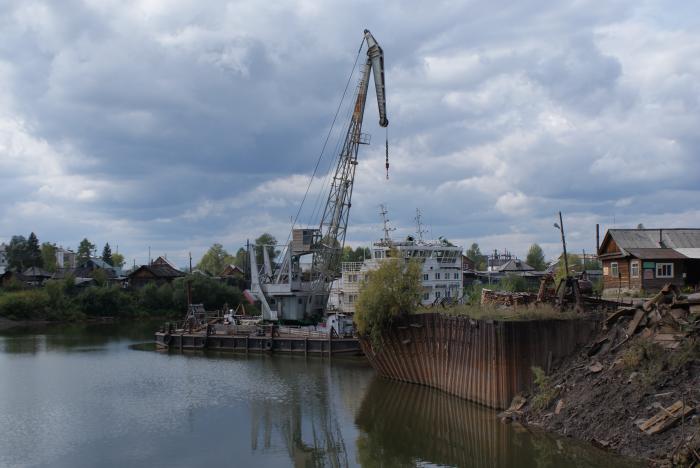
(485, 361)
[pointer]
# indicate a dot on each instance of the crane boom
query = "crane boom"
(290, 292)
(334, 222)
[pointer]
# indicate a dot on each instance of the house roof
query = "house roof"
(515, 265)
(161, 270)
(37, 272)
(655, 243)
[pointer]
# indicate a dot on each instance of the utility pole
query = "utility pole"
(190, 262)
(563, 242)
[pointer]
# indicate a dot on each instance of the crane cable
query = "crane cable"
(387, 152)
(323, 149)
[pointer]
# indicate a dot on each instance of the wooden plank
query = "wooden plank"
(638, 316)
(666, 418)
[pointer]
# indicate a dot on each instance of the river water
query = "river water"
(90, 395)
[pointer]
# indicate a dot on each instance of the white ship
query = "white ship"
(441, 269)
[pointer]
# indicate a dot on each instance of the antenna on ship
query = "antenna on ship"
(383, 212)
(419, 225)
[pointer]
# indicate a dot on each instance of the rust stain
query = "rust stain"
(484, 361)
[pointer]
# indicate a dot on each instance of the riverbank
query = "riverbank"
(632, 390)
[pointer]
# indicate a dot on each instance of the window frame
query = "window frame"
(660, 266)
(614, 270)
(634, 266)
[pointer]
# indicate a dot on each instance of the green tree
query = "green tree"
(17, 253)
(48, 255)
(271, 243)
(215, 260)
(392, 290)
(575, 266)
(107, 255)
(513, 283)
(474, 254)
(33, 253)
(85, 250)
(241, 259)
(118, 260)
(535, 257)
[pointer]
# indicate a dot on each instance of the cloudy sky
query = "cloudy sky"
(176, 124)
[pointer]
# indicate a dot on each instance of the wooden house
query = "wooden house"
(636, 259)
(160, 271)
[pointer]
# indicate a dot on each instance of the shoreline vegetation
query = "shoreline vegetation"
(64, 301)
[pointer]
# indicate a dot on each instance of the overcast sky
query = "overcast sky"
(176, 124)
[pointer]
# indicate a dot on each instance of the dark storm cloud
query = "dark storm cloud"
(178, 124)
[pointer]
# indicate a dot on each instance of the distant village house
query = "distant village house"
(160, 271)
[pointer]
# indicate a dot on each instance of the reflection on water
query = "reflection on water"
(90, 395)
(409, 425)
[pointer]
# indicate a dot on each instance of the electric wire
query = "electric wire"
(325, 143)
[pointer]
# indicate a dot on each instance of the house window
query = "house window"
(634, 269)
(437, 294)
(426, 296)
(437, 276)
(425, 277)
(664, 270)
(613, 270)
(456, 276)
(351, 298)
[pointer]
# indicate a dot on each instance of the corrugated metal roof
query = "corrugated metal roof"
(690, 252)
(649, 238)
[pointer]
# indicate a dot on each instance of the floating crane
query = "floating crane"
(284, 290)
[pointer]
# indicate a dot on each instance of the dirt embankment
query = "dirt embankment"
(634, 390)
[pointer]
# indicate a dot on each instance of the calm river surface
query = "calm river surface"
(85, 396)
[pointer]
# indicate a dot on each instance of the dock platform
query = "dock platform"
(260, 344)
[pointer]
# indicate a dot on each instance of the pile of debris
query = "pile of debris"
(633, 390)
(507, 299)
(667, 318)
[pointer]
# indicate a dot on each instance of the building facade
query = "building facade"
(647, 259)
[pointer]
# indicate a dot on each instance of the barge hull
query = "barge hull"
(260, 344)
(484, 361)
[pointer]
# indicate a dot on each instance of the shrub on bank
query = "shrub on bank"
(392, 290)
(205, 290)
(30, 304)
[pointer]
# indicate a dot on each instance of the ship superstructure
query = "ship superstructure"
(441, 275)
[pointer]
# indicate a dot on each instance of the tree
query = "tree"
(535, 257)
(474, 254)
(270, 241)
(48, 255)
(33, 252)
(215, 260)
(85, 250)
(575, 266)
(392, 290)
(118, 260)
(107, 255)
(241, 259)
(17, 253)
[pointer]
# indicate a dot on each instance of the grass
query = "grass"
(493, 312)
(645, 357)
(546, 392)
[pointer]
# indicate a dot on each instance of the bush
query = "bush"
(30, 304)
(514, 283)
(546, 392)
(205, 290)
(156, 300)
(106, 301)
(392, 290)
